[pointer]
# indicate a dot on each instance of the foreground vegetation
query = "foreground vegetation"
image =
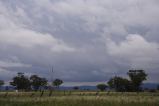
(128, 92)
(79, 98)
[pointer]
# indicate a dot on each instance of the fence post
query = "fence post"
(42, 93)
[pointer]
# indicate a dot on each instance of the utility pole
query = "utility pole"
(52, 76)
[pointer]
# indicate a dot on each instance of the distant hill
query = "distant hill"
(145, 85)
(7, 88)
(80, 87)
(150, 85)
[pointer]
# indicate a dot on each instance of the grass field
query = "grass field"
(78, 98)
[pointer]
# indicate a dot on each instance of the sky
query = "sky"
(85, 41)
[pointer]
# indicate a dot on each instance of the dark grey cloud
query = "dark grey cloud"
(85, 40)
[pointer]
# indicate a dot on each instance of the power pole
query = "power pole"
(52, 76)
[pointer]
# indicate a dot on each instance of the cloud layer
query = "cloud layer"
(85, 40)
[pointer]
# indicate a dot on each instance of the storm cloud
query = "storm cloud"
(84, 40)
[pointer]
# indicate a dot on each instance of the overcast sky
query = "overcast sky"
(85, 40)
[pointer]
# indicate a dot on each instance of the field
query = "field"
(78, 98)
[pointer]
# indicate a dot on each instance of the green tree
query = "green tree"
(137, 77)
(57, 82)
(21, 82)
(102, 87)
(119, 84)
(1, 83)
(37, 82)
(76, 88)
(158, 87)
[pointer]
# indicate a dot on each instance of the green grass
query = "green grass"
(79, 98)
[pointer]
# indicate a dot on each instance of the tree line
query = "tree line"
(120, 84)
(117, 83)
(35, 82)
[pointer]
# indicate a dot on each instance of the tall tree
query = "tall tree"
(119, 84)
(21, 82)
(37, 82)
(137, 77)
(102, 87)
(76, 88)
(57, 82)
(157, 87)
(1, 83)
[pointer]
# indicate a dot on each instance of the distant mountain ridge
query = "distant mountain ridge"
(150, 85)
(85, 87)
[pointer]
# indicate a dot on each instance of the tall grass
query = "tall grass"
(79, 99)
